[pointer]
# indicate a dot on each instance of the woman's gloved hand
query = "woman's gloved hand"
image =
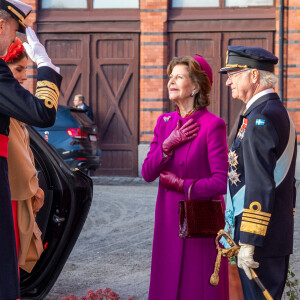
(245, 259)
(171, 181)
(180, 135)
(37, 51)
(38, 201)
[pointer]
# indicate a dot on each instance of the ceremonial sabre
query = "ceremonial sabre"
(229, 252)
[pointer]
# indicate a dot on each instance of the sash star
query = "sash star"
(232, 158)
(233, 177)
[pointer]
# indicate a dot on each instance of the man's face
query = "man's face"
(76, 101)
(240, 84)
(8, 30)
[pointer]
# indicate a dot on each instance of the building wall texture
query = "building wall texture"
(291, 64)
(154, 58)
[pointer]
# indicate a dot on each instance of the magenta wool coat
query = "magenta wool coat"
(181, 268)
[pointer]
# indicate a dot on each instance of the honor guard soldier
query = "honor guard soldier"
(261, 192)
(17, 102)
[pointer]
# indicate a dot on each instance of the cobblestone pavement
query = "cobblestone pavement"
(114, 248)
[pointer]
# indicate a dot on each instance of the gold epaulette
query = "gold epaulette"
(47, 91)
(254, 220)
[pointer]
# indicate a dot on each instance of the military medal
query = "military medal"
(232, 158)
(233, 176)
(241, 132)
(233, 162)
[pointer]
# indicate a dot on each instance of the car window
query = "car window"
(64, 118)
(81, 116)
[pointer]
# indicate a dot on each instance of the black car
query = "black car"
(75, 137)
(68, 197)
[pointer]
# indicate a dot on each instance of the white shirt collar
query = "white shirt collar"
(258, 95)
(80, 106)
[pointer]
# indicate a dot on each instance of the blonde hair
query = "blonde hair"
(80, 97)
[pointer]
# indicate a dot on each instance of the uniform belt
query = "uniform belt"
(3, 145)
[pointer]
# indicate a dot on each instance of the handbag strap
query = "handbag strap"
(190, 189)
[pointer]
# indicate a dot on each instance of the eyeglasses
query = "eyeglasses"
(235, 73)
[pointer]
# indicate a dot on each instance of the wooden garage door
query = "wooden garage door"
(104, 68)
(70, 52)
(114, 84)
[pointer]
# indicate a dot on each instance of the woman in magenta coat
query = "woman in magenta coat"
(188, 145)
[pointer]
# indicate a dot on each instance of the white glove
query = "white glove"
(245, 259)
(36, 51)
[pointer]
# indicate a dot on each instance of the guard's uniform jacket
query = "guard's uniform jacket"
(39, 110)
(261, 178)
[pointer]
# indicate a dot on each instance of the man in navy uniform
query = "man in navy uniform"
(261, 187)
(16, 102)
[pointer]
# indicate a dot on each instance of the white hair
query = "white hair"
(266, 78)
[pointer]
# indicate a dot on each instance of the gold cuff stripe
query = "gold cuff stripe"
(49, 84)
(48, 91)
(246, 210)
(255, 221)
(49, 102)
(253, 228)
(256, 216)
(43, 95)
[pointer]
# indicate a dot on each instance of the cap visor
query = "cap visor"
(225, 70)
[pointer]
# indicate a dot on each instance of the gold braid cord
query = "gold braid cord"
(229, 252)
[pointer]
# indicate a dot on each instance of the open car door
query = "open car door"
(68, 197)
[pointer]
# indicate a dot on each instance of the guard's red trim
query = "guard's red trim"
(3, 145)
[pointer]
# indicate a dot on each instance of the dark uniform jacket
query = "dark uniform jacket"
(266, 220)
(39, 110)
(89, 111)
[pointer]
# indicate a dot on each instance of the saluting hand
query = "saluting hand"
(180, 135)
(171, 181)
(37, 51)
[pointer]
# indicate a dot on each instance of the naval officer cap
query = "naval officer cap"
(239, 57)
(18, 10)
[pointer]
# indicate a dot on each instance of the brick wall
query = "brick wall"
(291, 63)
(153, 64)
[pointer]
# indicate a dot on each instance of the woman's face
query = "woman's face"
(180, 85)
(19, 69)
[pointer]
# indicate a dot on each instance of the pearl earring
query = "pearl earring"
(193, 94)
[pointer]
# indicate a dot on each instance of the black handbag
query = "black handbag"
(200, 218)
